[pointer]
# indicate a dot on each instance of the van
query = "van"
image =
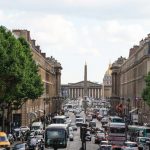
(37, 127)
(4, 142)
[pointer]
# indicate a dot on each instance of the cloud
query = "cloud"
(89, 52)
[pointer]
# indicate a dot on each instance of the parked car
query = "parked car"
(128, 145)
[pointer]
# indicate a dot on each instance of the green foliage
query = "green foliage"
(146, 90)
(19, 79)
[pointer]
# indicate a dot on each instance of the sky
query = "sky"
(77, 31)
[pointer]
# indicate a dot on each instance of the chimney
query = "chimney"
(43, 54)
(33, 42)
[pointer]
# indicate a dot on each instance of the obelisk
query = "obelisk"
(85, 81)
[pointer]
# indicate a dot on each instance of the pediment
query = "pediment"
(81, 84)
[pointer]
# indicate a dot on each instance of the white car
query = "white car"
(128, 145)
(79, 121)
(24, 128)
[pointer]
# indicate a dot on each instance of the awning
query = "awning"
(133, 110)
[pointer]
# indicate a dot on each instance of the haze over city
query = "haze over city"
(78, 31)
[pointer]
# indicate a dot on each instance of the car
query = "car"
(106, 147)
(116, 147)
(142, 141)
(20, 146)
(88, 136)
(129, 145)
(99, 137)
(104, 120)
(24, 128)
(4, 142)
(104, 142)
(79, 121)
(92, 124)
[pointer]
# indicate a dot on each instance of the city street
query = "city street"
(76, 144)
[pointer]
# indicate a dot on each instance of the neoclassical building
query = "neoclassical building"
(128, 81)
(76, 90)
(107, 83)
(50, 72)
(88, 88)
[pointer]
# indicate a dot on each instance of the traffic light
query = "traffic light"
(83, 130)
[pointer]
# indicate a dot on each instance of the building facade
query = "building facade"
(50, 72)
(128, 81)
(76, 90)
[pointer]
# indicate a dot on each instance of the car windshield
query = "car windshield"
(3, 138)
(52, 134)
(117, 130)
(79, 119)
(35, 127)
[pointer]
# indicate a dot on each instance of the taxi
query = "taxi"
(4, 142)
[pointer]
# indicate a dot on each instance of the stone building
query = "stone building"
(88, 88)
(107, 83)
(76, 90)
(128, 81)
(50, 72)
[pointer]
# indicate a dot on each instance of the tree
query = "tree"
(19, 78)
(146, 90)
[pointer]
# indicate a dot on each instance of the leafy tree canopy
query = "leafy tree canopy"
(19, 79)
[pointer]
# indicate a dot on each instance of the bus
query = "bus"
(59, 119)
(56, 136)
(117, 133)
(136, 131)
